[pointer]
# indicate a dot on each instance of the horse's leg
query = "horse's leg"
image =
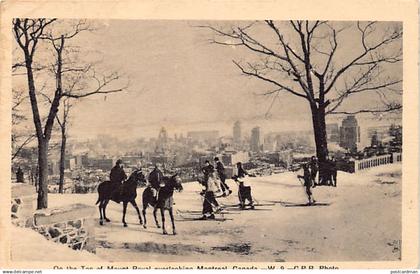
(101, 222)
(171, 214)
(154, 215)
(134, 204)
(144, 214)
(124, 211)
(104, 209)
(162, 213)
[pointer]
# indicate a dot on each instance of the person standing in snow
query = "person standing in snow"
(307, 183)
(333, 172)
(222, 176)
(314, 169)
(210, 188)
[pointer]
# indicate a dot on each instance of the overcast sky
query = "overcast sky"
(178, 80)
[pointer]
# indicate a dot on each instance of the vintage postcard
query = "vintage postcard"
(209, 134)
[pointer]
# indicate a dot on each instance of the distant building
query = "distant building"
(349, 133)
(230, 159)
(209, 136)
(82, 161)
(70, 163)
(162, 140)
(159, 159)
(53, 167)
(255, 144)
(132, 160)
(333, 132)
(284, 158)
(270, 143)
(103, 164)
(237, 137)
(380, 133)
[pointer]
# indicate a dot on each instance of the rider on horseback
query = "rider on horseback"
(155, 178)
(117, 177)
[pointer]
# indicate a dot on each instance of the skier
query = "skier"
(307, 183)
(244, 192)
(314, 169)
(222, 176)
(210, 188)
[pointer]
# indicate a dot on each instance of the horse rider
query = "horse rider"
(154, 179)
(222, 175)
(117, 177)
(313, 165)
(307, 183)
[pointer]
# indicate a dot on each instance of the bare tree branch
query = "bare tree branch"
(255, 73)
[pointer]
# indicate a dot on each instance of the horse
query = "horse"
(163, 202)
(126, 193)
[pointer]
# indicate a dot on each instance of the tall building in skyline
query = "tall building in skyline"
(333, 133)
(237, 137)
(349, 133)
(162, 140)
(255, 144)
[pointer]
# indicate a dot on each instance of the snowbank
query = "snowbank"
(28, 245)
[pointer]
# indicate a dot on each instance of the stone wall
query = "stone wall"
(72, 225)
(22, 204)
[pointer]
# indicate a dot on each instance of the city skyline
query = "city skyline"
(164, 88)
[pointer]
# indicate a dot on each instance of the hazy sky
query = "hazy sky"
(178, 80)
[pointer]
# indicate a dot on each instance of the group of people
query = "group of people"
(326, 171)
(118, 176)
(214, 182)
(215, 186)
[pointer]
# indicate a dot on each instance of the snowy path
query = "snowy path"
(361, 222)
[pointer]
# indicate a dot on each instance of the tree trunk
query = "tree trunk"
(42, 201)
(62, 158)
(320, 132)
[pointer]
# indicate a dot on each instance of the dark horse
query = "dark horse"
(125, 193)
(164, 200)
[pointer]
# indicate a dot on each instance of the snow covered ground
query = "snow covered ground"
(360, 221)
(29, 245)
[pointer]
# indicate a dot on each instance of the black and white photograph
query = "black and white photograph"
(206, 141)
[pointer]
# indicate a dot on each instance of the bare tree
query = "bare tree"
(28, 34)
(312, 61)
(19, 139)
(62, 122)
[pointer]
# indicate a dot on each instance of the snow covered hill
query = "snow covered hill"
(361, 220)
